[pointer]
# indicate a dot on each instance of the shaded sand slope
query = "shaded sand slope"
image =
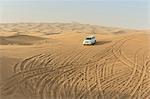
(6, 66)
(117, 67)
(19, 40)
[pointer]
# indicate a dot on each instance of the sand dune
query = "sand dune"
(37, 29)
(117, 67)
(19, 39)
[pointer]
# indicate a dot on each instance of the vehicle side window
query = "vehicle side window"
(93, 37)
(88, 38)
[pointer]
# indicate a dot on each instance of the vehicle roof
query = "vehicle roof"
(90, 36)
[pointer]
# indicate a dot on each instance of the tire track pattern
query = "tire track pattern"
(48, 76)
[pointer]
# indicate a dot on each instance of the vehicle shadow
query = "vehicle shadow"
(102, 42)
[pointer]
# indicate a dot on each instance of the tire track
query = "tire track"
(66, 56)
(146, 90)
(32, 73)
(26, 60)
(99, 82)
(57, 88)
(61, 82)
(74, 83)
(52, 81)
(32, 63)
(141, 79)
(116, 77)
(128, 62)
(87, 81)
(133, 73)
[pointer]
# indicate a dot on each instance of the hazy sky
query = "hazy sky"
(120, 13)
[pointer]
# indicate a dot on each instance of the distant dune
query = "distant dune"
(48, 61)
(56, 28)
(19, 40)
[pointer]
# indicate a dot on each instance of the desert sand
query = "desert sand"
(48, 61)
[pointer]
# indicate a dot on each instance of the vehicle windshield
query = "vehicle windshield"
(88, 38)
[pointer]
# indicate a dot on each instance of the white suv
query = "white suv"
(89, 40)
